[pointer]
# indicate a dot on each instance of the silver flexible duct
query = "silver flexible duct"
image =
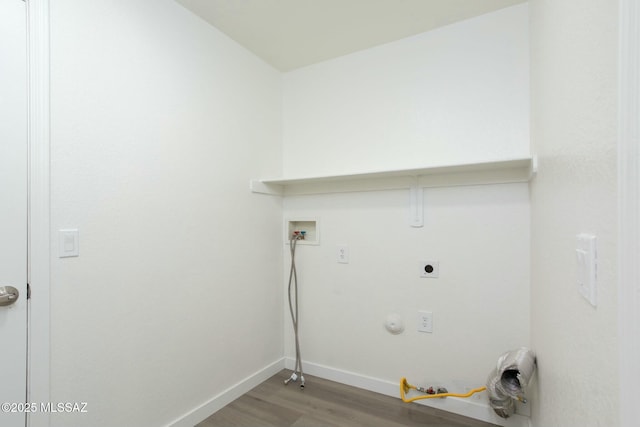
(507, 380)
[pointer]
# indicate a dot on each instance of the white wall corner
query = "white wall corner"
(227, 396)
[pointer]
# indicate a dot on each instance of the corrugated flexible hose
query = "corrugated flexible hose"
(505, 385)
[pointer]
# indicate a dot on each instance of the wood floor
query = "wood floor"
(326, 403)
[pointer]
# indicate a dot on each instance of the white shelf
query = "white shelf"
(489, 172)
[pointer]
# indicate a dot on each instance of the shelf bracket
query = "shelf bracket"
(257, 186)
(416, 204)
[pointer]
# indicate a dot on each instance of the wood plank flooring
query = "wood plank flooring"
(326, 403)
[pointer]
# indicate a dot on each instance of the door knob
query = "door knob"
(8, 295)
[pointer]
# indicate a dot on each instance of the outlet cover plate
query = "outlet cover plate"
(342, 254)
(429, 269)
(425, 321)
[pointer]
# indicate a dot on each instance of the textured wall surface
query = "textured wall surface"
(158, 123)
(574, 45)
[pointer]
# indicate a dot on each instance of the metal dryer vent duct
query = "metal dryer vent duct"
(507, 381)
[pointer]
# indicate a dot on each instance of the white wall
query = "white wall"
(392, 106)
(479, 235)
(158, 123)
(456, 94)
(574, 55)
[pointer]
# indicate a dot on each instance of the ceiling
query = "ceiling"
(290, 34)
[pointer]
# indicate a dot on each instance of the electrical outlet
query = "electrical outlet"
(429, 269)
(425, 321)
(342, 254)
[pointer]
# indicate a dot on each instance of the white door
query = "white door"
(13, 212)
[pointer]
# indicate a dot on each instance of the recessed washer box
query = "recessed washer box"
(311, 227)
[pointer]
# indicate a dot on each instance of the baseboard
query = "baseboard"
(227, 396)
(469, 408)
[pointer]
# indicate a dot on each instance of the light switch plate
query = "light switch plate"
(69, 243)
(587, 267)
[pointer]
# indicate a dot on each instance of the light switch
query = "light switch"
(68, 243)
(587, 267)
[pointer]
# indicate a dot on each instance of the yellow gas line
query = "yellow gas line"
(405, 387)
